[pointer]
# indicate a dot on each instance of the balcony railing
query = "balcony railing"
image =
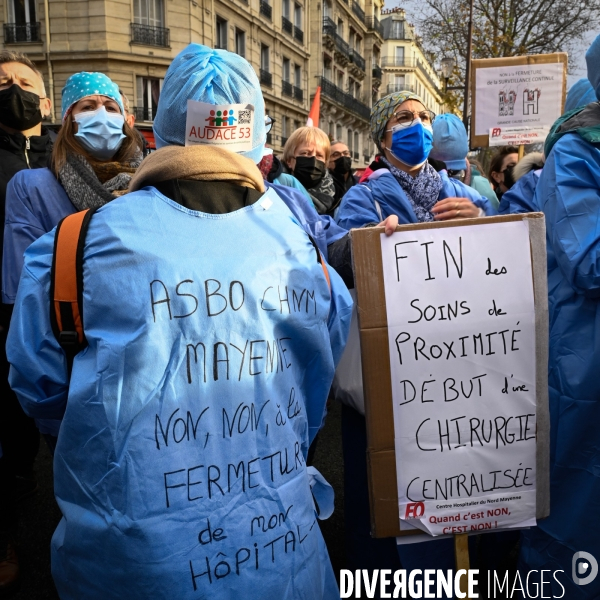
(358, 11)
(266, 78)
(377, 74)
(398, 61)
(400, 87)
(330, 90)
(143, 114)
(299, 34)
(330, 29)
(374, 24)
(266, 9)
(286, 25)
(287, 88)
(357, 59)
(298, 93)
(21, 34)
(149, 36)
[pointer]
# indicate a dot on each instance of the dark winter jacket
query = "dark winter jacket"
(17, 153)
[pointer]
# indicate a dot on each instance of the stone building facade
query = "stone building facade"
(404, 63)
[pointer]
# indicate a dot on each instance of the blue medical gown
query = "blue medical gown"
(322, 228)
(520, 197)
(180, 466)
(359, 204)
(568, 192)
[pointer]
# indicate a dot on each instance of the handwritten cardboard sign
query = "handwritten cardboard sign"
(454, 346)
(517, 92)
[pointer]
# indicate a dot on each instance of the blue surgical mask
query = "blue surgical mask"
(100, 132)
(411, 143)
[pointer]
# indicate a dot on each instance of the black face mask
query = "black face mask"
(19, 109)
(309, 171)
(343, 165)
(509, 177)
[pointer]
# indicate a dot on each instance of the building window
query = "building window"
(298, 76)
(296, 125)
(340, 28)
(327, 11)
(298, 16)
(148, 93)
(397, 30)
(331, 130)
(340, 79)
(148, 12)
(352, 38)
(327, 69)
(285, 8)
(285, 133)
(265, 53)
(22, 25)
(356, 149)
(351, 86)
(349, 140)
(221, 37)
(338, 133)
(286, 69)
(399, 55)
(240, 42)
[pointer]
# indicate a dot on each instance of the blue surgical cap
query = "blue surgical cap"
(450, 143)
(580, 94)
(592, 58)
(85, 84)
(214, 77)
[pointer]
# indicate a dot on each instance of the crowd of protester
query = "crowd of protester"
(192, 264)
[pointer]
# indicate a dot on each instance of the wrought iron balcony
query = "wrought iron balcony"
(266, 9)
(287, 88)
(374, 24)
(330, 29)
(299, 34)
(149, 36)
(298, 93)
(330, 90)
(398, 61)
(377, 74)
(400, 87)
(143, 114)
(357, 59)
(358, 11)
(21, 34)
(266, 78)
(286, 25)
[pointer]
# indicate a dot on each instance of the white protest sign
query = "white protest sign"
(461, 328)
(518, 95)
(228, 126)
(517, 136)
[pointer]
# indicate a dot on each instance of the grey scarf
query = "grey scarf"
(83, 187)
(422, 191)
(323, 195)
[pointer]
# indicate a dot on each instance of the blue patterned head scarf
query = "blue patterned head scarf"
(214, 77)
(85, 84)
(384, 109)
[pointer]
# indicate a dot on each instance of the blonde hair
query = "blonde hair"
(306, 135)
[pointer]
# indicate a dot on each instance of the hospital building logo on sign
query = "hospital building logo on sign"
(228, 126)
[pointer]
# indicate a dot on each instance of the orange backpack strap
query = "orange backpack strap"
(66, 286)
(321, 262)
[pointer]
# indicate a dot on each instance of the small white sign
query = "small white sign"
(229, 126)
(461, 328)
(518, 96)
(518, 136)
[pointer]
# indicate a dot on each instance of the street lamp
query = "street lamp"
(448, 64)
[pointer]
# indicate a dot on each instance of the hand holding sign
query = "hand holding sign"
(455, 208)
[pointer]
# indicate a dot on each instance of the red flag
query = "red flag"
(313, 115)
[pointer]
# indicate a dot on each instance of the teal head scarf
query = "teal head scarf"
(384, 109)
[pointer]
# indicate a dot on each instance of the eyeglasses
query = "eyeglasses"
(335, 155)
(407, 117)
(269, 123)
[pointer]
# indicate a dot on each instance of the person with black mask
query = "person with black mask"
(306, 154)
(500, 173)
(24, 144)
(340, 167)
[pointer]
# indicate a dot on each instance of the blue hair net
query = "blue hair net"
(450, 143)
(580, 94)
(85, 84)
(592, 58)
(214, 77)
